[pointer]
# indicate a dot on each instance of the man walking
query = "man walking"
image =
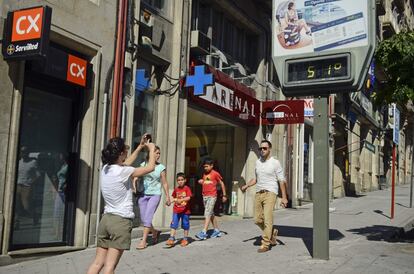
(268, 172)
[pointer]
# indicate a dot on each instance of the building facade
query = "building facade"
(53, 129)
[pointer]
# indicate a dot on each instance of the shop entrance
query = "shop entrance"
(308, 164)
(46, 168)
(208, 137)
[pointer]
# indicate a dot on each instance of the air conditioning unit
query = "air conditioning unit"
(200, 43)
(146, 24)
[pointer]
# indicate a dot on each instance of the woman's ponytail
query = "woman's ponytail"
(112, 151)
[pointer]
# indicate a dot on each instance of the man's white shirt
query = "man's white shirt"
(268, 172)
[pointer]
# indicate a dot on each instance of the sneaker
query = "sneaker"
(273, 240)
(216, 233)
(184, 242)
(170, 242)
(201, 235)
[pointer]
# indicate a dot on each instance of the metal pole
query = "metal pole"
(393, 181)
(320, 185)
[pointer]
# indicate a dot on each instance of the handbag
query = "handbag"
(140, 186)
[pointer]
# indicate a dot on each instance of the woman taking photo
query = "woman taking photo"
(150, 197)
(114, 231)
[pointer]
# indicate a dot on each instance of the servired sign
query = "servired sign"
(283, 112)
(76, 71)
(26, 33)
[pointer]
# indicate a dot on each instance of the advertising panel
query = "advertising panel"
(304, 26)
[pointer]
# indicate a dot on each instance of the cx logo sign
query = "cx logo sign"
(27, 24)
(76, 71)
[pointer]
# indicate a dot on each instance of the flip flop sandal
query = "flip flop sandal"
(141, 247)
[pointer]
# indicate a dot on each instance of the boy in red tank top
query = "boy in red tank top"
(209, 183)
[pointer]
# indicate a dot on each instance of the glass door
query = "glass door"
(215, 142)
(45, 184)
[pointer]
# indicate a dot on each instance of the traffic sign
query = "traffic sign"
(396, 127)
(324, 46)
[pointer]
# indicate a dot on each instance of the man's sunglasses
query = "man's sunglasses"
(263, 148)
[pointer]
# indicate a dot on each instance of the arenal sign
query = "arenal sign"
(223, 94)
(26, 33)
(283, 112)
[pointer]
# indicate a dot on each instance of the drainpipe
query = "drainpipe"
(98, 195)
(121, 68)
(118, 68)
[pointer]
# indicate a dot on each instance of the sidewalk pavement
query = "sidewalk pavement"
(363, 239)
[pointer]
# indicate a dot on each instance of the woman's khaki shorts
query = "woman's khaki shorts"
(209, 202)
(114, 232)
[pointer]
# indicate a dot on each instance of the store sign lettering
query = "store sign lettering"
(79, 69)
(241, 106)
(27, 24)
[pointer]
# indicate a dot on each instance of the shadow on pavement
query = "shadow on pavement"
(305, 233)
(402, 205)
(385, 233)
(380, 212)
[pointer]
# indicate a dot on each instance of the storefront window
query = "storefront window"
(43, 182)
(143, 118)
(215, 142)
(143, 123)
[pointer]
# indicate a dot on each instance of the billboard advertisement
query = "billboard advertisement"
(308, 26)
